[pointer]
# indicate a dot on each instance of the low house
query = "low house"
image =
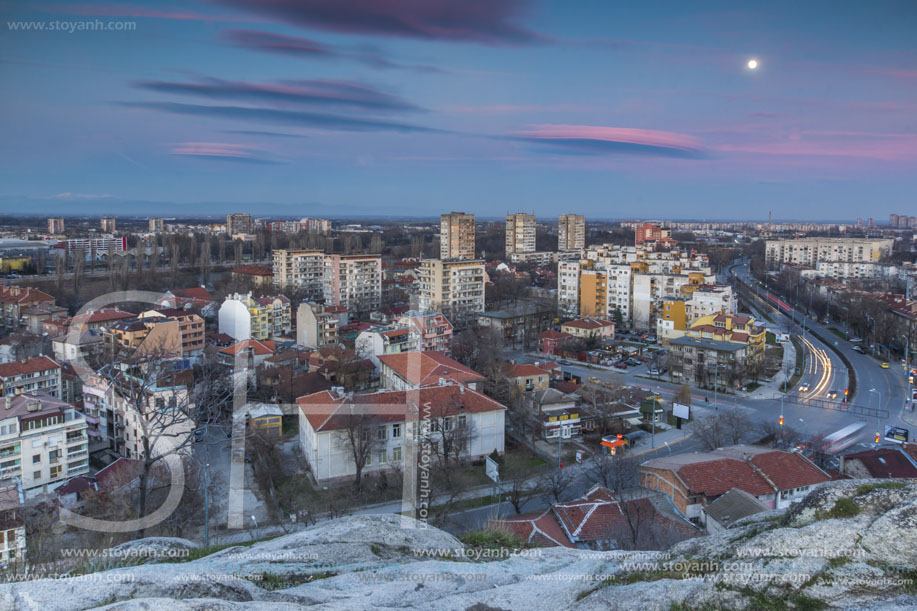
(451, 419)
(556, 413)
(881, 463)
(412, 370)
(376, 341)
(34, 315)
(550, 342)
(257, 275)
(252, 352)
(776, 478)
(599, 521)
(588, 328)
(263, 419)
(524, 377)
(729, 509)
(77, 344)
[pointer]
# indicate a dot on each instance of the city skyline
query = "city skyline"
(388, 109)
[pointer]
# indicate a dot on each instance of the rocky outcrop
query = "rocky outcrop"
(848, 545)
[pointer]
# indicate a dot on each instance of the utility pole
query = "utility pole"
(207, 506)
(716, 377)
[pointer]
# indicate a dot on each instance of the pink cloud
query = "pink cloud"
(594, 136)
(220, 150)
(882, 147)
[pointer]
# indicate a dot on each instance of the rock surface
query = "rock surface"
(819, 554)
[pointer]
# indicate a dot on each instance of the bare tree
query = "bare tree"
(727, 427)
(359, 434)
(556, 482)
(614, 472)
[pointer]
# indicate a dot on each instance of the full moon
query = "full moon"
(752, 64)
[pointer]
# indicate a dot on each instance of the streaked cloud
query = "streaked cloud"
(594, 139)
(484, 21)
(310, 92)
(221, 151)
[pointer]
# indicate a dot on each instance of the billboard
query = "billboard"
(680, 410)
(896, 434)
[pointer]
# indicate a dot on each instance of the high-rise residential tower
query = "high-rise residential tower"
(571, 232)
(456, 236)
(520, 233)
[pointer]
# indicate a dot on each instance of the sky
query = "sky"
(416, 107)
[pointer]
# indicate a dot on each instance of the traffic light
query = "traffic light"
(877, 436)
(781, 420)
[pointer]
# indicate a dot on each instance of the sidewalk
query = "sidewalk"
(673, 436)
(768, 389)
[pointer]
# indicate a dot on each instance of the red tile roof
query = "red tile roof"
(552, 334)
(716, 477)
(33, 365)
(885, 463)
(195, 292)
(788, 469)
(589, 323)
(517, 370)
(100, 316)
(24, 294)
(326, 412)
(425, 368)
(258, 347)
(540, 528)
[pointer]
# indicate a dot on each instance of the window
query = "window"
(369, 459)
(462, 421)
(381, 434)
(55, 471)
(434, 425)
(396, 454)
(396, 431)
(36, 475)
(36, 459)
(381, 456)
(447, 424)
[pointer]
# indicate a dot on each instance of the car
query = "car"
(855, 340)
(831, 394)
(653, 372)
(859, 349)
(804, 387)
(563, 362)
(199, 435)
(620, 366)
(883, 365)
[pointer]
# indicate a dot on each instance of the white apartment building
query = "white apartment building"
(708, 300)
(386, 339)
(541, 258)
(43, 441)
(317, 326)
(571, 232)
(843, 271)
(300, 269)
(353, 281)
(456, 236)
(391, 429)
(520, 233)
(810, 251)
(632, 280)
(455, 288)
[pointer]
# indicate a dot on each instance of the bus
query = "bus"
(842, 439)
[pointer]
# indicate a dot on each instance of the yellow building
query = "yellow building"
(9, 265)
(731, 328)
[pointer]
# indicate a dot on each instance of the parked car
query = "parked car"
(199, 435)
(855, 340)
(620, 366)
(654, 372)
(859, 349)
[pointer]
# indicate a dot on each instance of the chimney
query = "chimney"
(7, 402)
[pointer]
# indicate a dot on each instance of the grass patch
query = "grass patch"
(838, 561)
(491, 538)
(277, 581)
(843, 508)
(838, 332)
(867, 488)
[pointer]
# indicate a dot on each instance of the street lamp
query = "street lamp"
(879, 394)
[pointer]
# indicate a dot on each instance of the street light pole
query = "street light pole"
(716, 377)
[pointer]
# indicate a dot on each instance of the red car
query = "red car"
(620, 366)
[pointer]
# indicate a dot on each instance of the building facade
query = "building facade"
(454, 288)
(353, 281)
(107, 224)
(239, 223)
(520, 233)
(55, 225)
(571, 232)
(300, 269)
(811, 251)
(456, 236)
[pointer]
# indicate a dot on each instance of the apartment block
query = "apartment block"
(156, 225)
(244, 317)
(175, 332)
(571, 232)
(107, 224)
(12, 521)
(317, 326)
(455, 288)
(434, 330)
(651, 233)
(320, 226)
(456, 236)
(353, 281)
(43, 441)
(386, 339)
(39, 374)
(239, 223)
(14, 300)
(55, 225)
(302, 270)
(520, 233)
(811, 251)
(632, 281)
